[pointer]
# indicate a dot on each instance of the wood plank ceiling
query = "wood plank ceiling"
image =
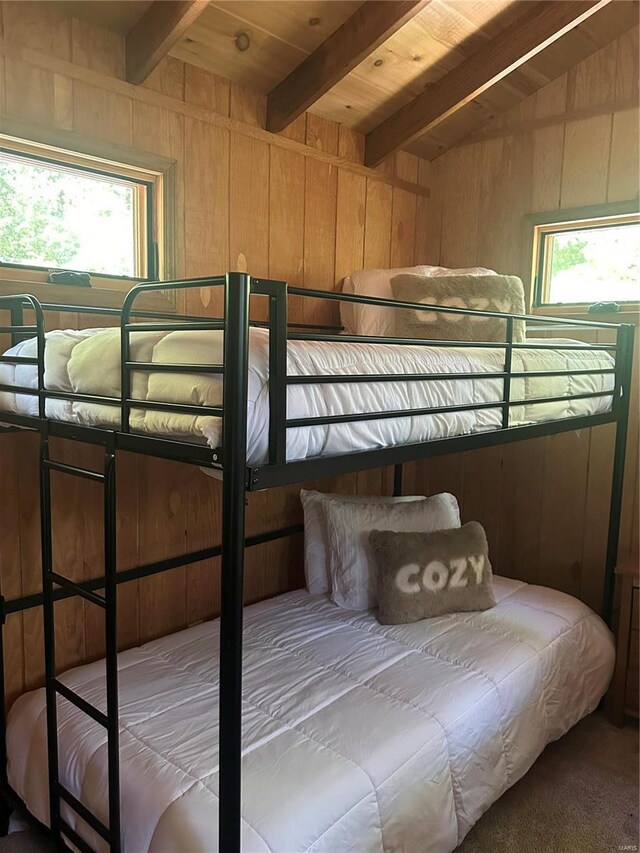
(261, 44)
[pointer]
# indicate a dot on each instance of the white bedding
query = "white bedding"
(88, 362)
(357, 736)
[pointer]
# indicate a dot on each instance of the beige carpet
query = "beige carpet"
(581, 796)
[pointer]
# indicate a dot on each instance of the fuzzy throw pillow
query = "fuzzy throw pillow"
(501, 293)
(428, 574)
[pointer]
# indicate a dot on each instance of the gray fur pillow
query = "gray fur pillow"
(503, 293)
(429, 574)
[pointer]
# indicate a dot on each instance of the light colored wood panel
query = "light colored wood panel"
(103, 114)
(319, 238)
(206, 192)
(563, 511)
(584, 169)
(247, 105)
(207, 90)
(159, 131)
(403, 228)
(447, 474)
(377, 235)
(593, 81)
(551, 100)
(63, 102)
(286, 221)
(627, 71)
(38, 25)
(3, 87)
(13, 637)
(483, 478)
(423, 217)
(297, 130)
(97, 48)
(249, 213)
(168, 78)
(434, 176)
(203, 531)
(548, 148)
(407, 166)
(460, 217)
(350, 222)
(624, 168)
(163, 523)
(322, 134)
(249, 206)
(350, 144)
(594, 549)
(630, 521)
(29, 93)
(522, 498)
(119, 17)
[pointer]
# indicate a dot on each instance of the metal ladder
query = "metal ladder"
(54, 687)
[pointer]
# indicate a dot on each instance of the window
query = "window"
(586, 261)
(75, 213)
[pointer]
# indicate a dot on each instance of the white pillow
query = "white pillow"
(316, 551)
(352, 562)
(359, 319)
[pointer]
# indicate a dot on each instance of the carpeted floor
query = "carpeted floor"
(581, 796)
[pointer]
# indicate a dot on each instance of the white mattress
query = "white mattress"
(88, 362)
(357, 736)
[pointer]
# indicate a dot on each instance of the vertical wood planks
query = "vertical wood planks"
(554, 492)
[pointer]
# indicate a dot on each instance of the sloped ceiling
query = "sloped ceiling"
(259, 43)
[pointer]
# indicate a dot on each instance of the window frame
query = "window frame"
(150, 257)
(547, 224)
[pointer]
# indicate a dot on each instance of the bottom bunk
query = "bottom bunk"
(357, 736)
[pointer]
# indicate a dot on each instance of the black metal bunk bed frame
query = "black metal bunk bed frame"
(237, 480)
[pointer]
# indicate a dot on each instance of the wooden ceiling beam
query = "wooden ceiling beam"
(369, 27)
(535, 30)
(150, 40)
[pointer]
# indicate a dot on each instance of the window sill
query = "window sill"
(627, 314)
(85, 297)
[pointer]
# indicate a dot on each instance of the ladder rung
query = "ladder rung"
(93, 597)
(83, 811)
(73, 836)
(73, 469)
(80, 703)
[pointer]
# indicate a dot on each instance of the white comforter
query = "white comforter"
(88, 362)
(357, 736)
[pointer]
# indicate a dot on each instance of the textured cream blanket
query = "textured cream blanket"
(88, 362)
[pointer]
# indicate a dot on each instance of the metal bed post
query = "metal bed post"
(111, 648)
(48, 604)
(397, 479)
(622, 395)
(234, 453)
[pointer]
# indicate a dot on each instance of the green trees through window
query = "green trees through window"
(54, 217)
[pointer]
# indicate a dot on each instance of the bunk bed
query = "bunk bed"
(489, 410)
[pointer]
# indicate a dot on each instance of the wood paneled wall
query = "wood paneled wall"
(302, 207)
(299, 207)
(573, 143)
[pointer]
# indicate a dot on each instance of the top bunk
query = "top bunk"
(312, 400)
